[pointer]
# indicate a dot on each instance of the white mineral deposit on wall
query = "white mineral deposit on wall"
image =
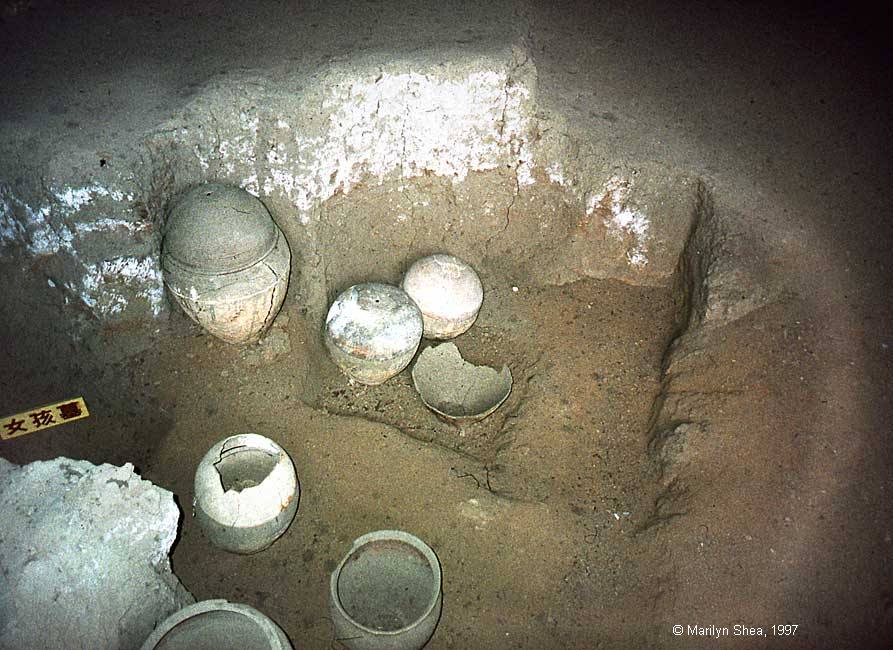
(624, 221)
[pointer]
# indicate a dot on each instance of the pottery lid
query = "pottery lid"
(219, 229)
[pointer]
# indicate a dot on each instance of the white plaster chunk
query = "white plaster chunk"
(106, 225)
(10, 228)
(203, 161)
(39, 236)
(74, 198)
(524, 170)
(84, 555)
(251, 185)
(34, 233)
(556, 174)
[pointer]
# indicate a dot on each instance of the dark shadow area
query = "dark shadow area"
(50, 351)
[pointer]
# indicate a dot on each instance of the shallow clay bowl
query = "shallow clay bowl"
(457, 390)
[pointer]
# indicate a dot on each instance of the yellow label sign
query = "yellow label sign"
(43, 417)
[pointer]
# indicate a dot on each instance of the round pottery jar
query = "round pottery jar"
(246, 493)
(372, 332)
(448, 292)
(225, 261)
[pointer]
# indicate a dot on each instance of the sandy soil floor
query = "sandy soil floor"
(552, 481)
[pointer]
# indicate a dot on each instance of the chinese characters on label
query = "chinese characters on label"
(43, 417)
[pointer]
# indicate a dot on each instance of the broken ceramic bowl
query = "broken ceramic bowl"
(457, 390)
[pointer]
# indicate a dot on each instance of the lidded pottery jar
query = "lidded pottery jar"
(372, 332)
(448, 292)
(225, 261)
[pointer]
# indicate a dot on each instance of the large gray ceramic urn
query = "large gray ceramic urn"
(225, 261)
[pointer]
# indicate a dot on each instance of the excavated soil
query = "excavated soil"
(556, 474)
(554, 518)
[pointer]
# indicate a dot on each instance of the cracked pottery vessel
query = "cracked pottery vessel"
(246, 493)
(225, 261)
(448, 292)
(373, 331)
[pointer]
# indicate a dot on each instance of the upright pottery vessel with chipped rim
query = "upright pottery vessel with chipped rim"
(246, 493)
(225, 261)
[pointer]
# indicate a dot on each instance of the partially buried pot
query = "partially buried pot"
(456, 390)
(448, 292)
(217, 625)
(225, 261)
(386, 594)
(372, 332)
